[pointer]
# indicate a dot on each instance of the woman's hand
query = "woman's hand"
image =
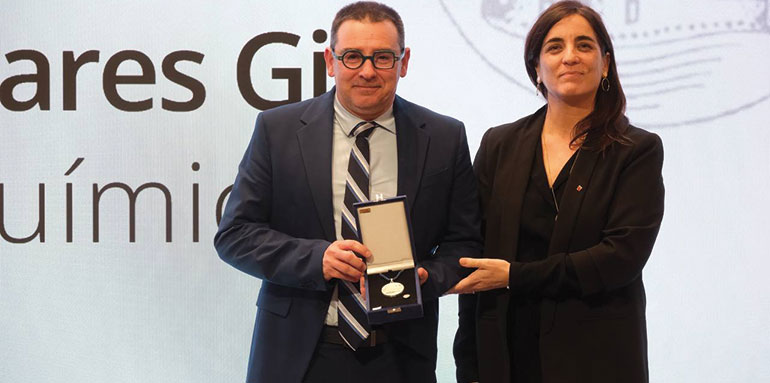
(490, 274)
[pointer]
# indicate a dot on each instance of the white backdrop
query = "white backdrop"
(73, 309)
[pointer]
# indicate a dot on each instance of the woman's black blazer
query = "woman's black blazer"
(610, 215)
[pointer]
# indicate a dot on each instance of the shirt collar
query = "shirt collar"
(348, 120)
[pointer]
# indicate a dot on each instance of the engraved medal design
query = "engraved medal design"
(392, 288)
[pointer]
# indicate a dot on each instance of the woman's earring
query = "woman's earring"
(537, 87)
(605, 84)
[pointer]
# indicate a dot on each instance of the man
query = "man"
(288, 218)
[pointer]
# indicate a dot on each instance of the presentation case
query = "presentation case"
(392, 284)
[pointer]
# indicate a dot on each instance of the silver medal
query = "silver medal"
(392, 289)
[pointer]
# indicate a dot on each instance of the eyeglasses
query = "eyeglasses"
(354, 59)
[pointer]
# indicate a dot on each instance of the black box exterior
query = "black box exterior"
(385, 314)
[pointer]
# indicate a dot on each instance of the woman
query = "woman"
(572, 197)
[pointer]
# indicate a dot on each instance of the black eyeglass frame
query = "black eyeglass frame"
(341, 58)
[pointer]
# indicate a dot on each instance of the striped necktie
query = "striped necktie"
(351, 308)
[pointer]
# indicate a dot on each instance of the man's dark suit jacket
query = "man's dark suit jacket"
(279, 220)
(610, 214)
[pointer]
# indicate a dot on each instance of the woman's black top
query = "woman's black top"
(538, 215)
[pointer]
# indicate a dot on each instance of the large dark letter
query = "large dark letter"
(111, 79)
(131, 207)
(293, 75)
(195, 205)
(195, 86)
(40, 218)
(319, 65)
(72, 168)
(70, 72)
(42, 78)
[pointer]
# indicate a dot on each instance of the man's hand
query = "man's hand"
(423, 274)
(341, 262)
(490, 274)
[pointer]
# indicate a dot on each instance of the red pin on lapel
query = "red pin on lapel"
(579, 188)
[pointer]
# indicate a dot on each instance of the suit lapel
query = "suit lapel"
(519, 153)
(571, 201)
(315, 142)
(412, 145)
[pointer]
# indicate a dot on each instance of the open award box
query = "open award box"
(392, 284)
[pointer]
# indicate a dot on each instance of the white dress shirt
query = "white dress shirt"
(383, 167)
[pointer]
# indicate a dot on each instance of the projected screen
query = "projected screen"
(122, 125)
